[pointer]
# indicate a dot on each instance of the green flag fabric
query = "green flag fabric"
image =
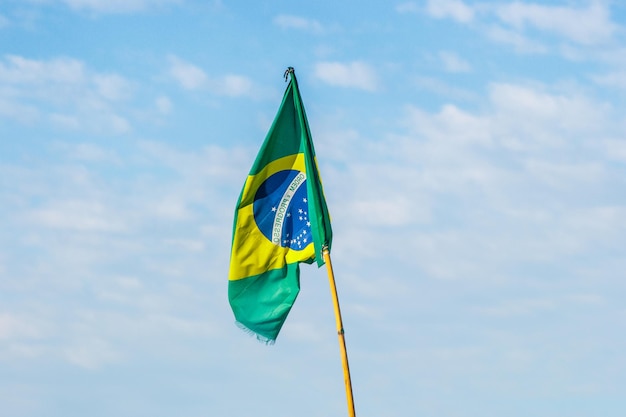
(281, 220)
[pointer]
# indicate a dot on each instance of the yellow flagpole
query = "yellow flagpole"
(340, 332)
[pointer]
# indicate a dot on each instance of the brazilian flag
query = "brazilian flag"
(281, 219)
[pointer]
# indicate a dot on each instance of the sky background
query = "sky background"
(474, 161)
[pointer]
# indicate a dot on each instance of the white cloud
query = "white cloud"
(615, 149)
(497, 187)
(355, 74)
(187, 75)
(4, 22)
(590, 25)
(612, 79)
(64, 92)
(65, 121)
(615, 56)
(163, 104)
(518, 21)
(19, 70)
(520, 42)
(300, 23)
(91, 354)
(378, 212)
(171, 208)
(445, 89)
(81, 223)
(601, 223)
(77, 215)
(441, 9)
(26, 114)
(453, 63)
(116, 6)
(112, 86)
(14, 327)
(192, 77)
(89, 152)
(542, 118)
(454, 9)
(408, 7)
(519, 307)
(564, 175)
(232, 85)
(451, 124)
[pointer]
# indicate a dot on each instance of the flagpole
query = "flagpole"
(340, 332)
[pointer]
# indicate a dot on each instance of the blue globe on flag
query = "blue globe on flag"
(281, 210)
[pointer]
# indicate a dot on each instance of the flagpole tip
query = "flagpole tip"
(288, 71)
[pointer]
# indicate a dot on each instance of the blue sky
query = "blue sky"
(474, 162)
